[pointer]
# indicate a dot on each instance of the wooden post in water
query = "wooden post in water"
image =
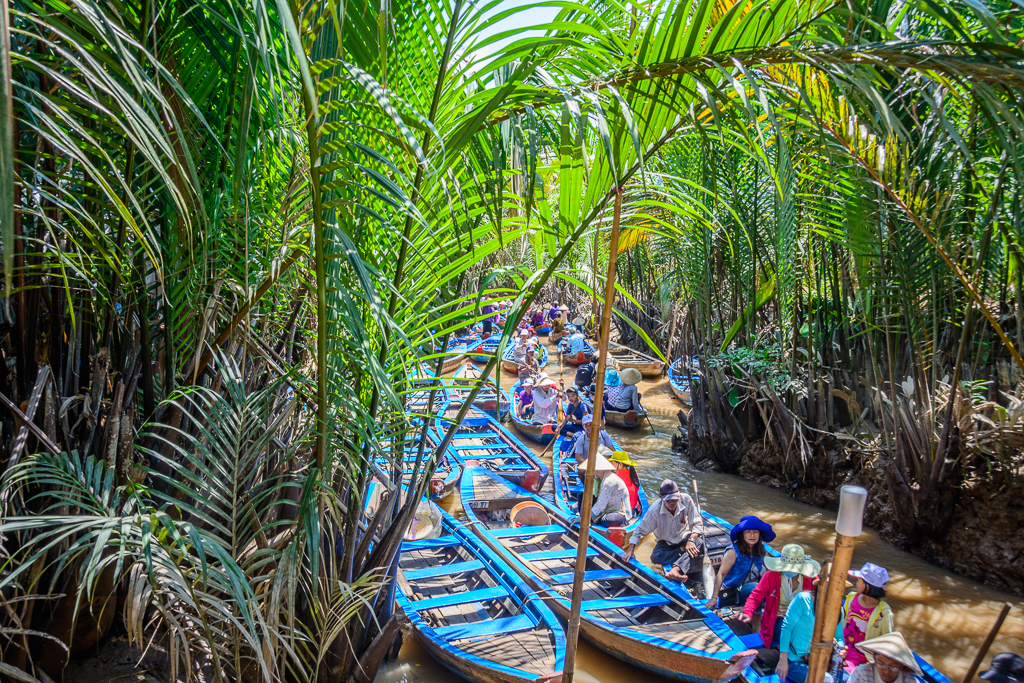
(586, 502)
(987, 644)
(849, 524)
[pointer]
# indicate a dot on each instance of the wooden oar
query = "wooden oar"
(648, 416)
(707, 570)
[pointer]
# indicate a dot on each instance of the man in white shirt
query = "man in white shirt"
(581, 439)
(678, 527)
(545, 400)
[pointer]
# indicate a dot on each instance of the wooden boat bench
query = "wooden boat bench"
(566, 554)
(627, 602)
(443, 570)
(596, 575)
(488, 627)
(527, 531)
(479, 595)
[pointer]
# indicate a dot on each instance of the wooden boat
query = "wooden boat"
(626, 357)
(679, 380)
(568, 486)
(623, 419)
(487, 399)
(487, 348)
(446, 474)
(581, 357)
(628, 610)
(534, 431)
(455, 354)
(508, 360)
(543, 330)
(480, 440)
(556, 337)
(473, 614)
(423, 381)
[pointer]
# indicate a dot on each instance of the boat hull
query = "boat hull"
(562, 463)
(626, 357)
(509, 364)
(679, 382)
(693, 646)
(625, 420)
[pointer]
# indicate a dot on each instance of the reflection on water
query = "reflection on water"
(944, 616)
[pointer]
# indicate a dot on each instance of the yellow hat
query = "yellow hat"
(623, 457)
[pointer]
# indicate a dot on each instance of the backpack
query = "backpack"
(585, 375)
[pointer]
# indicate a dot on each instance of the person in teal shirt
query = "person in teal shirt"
(795, 639)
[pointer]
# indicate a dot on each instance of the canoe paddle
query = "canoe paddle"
(707, 571)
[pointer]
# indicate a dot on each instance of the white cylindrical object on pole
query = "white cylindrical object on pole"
(852, 500)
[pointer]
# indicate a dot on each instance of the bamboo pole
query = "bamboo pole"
(821, 644)
(586, 503)
(987, 644)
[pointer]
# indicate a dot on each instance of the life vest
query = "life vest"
(741, 569)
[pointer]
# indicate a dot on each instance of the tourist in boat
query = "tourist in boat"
(678, 528)
(866, 614)
(620, 392)
(489, 311)
(585, 374)
(1006, 667)
(557, 326)
(612, 505)
(537, 319)
(529, 366)
(787, 575)
(889, 660)
(581, 440)
(626, 471)
(563, 312)
(575, 409)
(743, 563)
(790, 660)
(545, 400)
(553, 312)
(519, 347)
(525, 393)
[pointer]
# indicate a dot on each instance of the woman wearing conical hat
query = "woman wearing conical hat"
(890, 660)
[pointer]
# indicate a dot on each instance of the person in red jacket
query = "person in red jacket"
(787, 575)
(626, 470)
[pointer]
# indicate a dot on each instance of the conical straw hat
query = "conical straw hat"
(893, 646)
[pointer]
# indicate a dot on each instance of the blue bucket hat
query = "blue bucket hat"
(753, 523)
(611, 378)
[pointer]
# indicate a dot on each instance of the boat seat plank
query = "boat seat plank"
(488, 627)
(444, 570)
(599, 575)
(626, 602)
(479, 595)
(430, 543)
(566, 554)
(478, 435)
(527, 531)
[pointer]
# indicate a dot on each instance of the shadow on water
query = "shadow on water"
(944, 616)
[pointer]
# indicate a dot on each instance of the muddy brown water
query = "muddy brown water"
(943, 615)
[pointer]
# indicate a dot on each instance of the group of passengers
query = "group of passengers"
(777, 597)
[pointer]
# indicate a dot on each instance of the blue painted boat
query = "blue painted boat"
(568, 487)
(473, 613)
(509, 363)
(480, 440)
(488, 399)
(487, 348)
(628, 610)
(446, 473)
(423, 381)
(534, 431)
(455, 354)
(677, 377)
(543, 330)
(578, 358)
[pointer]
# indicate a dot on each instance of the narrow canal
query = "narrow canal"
(944, 616)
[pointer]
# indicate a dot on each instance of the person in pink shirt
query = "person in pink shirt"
(787, 575)
(866, 614)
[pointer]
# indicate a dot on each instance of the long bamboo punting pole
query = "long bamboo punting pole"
(976, 664)
(587, 500)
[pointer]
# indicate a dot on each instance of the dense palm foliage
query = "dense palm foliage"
(237, 227)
